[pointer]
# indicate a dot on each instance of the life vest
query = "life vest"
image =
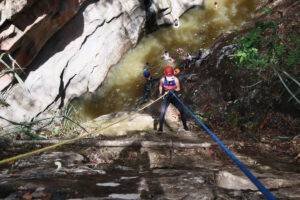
(169, 83)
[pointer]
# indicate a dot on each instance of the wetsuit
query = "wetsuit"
(169, 98)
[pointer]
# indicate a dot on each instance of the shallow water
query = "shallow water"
(198, 29)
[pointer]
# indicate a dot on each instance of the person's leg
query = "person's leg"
(175, 102)
(163, 110)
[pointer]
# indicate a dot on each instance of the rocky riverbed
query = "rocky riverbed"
(143, 166)
(248, 108)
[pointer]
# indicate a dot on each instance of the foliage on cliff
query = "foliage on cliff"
(253, 91)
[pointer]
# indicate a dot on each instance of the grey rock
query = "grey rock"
(232, 181)
(127, 123)
(77, 58)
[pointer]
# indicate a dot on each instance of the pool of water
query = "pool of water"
(198, 29)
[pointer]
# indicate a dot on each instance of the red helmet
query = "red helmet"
(169, 71)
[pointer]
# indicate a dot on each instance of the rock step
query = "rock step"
(119, 143)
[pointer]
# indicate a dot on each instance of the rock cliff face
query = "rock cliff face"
(27, 25)
(67, 47)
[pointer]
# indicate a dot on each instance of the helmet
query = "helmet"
(169, 71)
(146, 73)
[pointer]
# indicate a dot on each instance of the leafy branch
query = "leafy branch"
(12, 67)
(286, 86)
(263, 49)
(67, 123)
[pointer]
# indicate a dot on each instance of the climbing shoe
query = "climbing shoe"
(159, 131)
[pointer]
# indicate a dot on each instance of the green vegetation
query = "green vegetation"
(12, 67)
(25, 128)
(293, 56)
(66, 123)
(266, 10)
(263, 48)
(70, 121)
(252, 53)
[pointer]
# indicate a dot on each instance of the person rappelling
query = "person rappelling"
(170, 83)
(149, 84)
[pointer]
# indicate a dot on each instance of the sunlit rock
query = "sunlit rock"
(232, 181)
(118, 124)
(84, 41)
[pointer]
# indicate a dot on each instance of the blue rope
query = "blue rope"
(268, 195)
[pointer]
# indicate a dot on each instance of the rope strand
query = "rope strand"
(31, 153)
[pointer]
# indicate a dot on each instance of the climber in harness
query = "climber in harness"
(148, 85)
(150, 81)
(169, 82)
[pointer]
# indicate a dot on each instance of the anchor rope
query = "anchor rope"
(86, 133)
(267, 194)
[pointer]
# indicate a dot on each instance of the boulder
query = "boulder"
(172, 117)
(119, 124)
(49, 159)
(232, 181)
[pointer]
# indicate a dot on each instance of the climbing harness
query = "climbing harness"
(267, 194)
(169, 83)
(21, 156)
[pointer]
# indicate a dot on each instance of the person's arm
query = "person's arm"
(160, 88)
(177, 84)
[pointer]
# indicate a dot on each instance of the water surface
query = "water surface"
(198, 29)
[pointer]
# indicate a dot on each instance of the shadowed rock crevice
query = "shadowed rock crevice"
(151, 17)
(61, 93)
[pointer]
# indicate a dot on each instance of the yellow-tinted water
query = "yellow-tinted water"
(199, 28)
